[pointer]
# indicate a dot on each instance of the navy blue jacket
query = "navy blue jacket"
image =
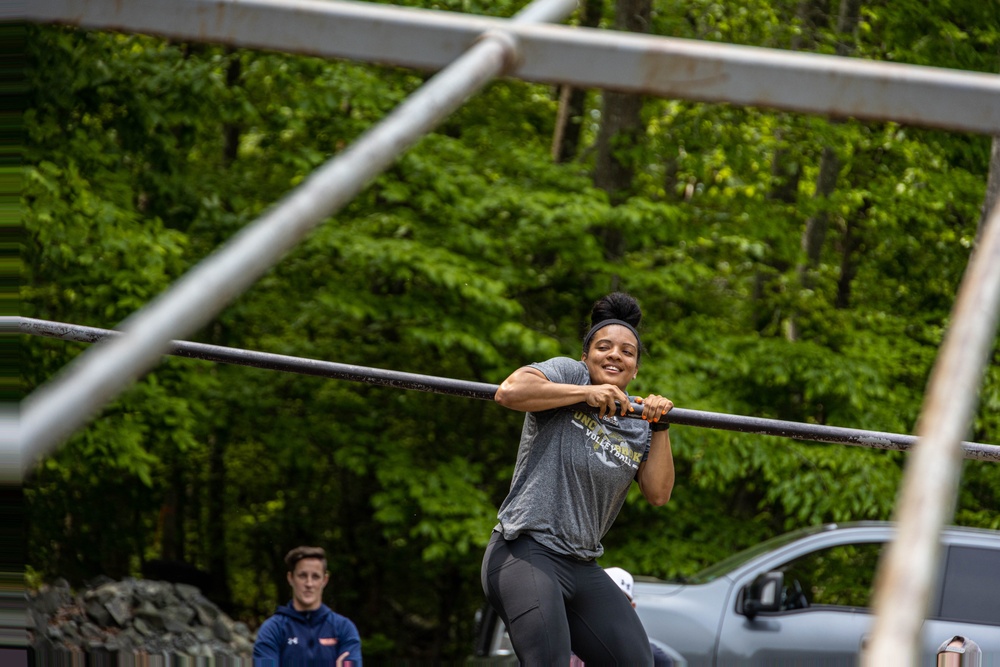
(293, 638)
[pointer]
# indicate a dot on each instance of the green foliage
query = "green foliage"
(471, 255)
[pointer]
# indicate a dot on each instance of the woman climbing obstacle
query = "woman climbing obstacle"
(576, 461)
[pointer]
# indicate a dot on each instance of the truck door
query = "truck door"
(968, 603)
(821, 617)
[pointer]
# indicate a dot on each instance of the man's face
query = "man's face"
(308, 581)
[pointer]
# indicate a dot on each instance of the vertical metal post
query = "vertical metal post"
(930, 483)
(52, 412)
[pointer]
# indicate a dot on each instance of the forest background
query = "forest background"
(789, 266)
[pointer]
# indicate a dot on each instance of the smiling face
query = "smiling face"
(308, 581)
(613, 357)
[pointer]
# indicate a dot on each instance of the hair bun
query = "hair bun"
(616, 306)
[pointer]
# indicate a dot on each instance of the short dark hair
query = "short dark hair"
(300, 553)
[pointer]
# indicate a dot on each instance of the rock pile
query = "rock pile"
(134, 616)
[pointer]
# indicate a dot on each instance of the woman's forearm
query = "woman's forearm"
(528, 390)
(656, 474)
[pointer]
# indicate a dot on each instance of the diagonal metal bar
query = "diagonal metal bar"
(485, 391)
(55, 410)
(582, 57)
(926, 503)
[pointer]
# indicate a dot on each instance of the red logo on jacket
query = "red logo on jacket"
(328, 641)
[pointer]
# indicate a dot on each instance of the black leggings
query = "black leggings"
(554, 604)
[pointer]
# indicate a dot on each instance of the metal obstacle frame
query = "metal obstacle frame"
(470, 52)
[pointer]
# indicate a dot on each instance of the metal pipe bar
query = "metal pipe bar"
(273, 362)
(583, 57)
(52, 412)
(485, 391)
(909, 568)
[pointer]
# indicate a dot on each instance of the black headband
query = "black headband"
(603, 323)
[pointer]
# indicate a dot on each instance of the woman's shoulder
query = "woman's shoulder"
(563, 369)
(559, 361)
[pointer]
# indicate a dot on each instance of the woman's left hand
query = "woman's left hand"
(654, 407)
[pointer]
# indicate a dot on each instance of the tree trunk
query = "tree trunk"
(851, 243)
(217, 551)
(169, 523)
(847, 23)
(786, 170)
(785, 175)
(620, 127)
(569, 120)
(812, 16)
(621, 121)
(814, 235)
(230, 130)
(816, 226)
(621, 131)
(786, 162)
(826, 183)
(218, 554)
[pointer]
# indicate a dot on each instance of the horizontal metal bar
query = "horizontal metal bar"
(584, 57)
(368, 32)
(273, 362)
(485, 391)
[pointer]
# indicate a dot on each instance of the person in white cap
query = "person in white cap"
(626, 582)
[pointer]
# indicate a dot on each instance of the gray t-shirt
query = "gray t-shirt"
(573, 471)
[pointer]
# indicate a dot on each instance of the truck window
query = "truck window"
(724, 567)
(842, 575)
(971, 587)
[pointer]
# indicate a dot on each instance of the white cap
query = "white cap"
(622, 578)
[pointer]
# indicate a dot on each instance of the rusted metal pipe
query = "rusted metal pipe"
(684, 69)
(907, 571)
(485, 391)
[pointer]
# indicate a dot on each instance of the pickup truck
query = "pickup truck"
(804, 598)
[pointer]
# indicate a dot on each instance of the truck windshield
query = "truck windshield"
(729, 564)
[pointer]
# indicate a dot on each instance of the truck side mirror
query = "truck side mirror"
(763, 594)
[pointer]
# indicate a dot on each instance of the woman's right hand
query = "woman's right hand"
(608, 399)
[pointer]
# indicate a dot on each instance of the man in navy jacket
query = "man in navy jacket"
(305, 632)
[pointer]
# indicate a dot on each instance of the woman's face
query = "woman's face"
(613, 357)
